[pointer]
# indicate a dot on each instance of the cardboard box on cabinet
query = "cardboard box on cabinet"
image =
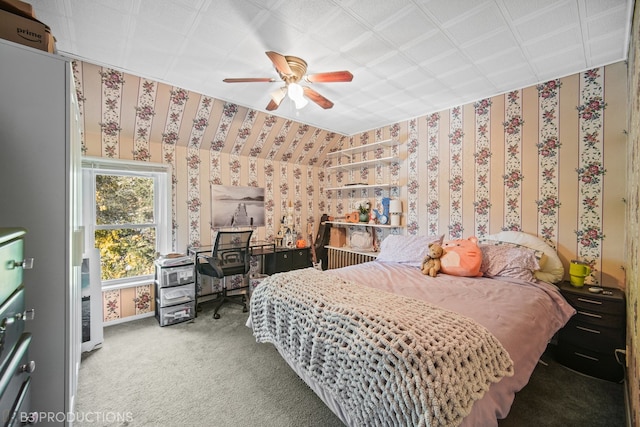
(18, 7)
(18, 24)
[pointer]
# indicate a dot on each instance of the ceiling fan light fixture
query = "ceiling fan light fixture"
(292, 70)
(296, 94)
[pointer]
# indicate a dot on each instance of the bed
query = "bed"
(383, 344)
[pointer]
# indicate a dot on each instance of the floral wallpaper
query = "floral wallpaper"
(548, 160)
(541, 159)
(482, 157)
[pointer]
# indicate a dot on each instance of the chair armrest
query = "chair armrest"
(211, 262)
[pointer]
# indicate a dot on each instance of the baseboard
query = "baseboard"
(128, 319)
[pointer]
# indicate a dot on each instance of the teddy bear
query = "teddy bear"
(431, 263)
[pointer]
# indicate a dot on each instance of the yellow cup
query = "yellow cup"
(577, 272)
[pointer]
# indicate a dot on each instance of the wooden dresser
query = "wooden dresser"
(15, 366)
(589, 341)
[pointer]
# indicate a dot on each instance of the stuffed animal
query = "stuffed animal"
(462, 257)
(431, 263)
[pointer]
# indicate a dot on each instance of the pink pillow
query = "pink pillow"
(461, 257)
(509, 261)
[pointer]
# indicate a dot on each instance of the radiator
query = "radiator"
(339, 258)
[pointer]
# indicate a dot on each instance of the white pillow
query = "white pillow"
(408, 249)
(552, 270)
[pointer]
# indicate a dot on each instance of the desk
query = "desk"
(212, 289)
(269, 259)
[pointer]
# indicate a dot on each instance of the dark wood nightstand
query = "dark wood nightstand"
(588, 342)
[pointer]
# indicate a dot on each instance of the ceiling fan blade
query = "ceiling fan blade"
(276, 98)
(250, 80)
(272, 105)
(280, 62)
(278, 95)
(317, 98)
(332, 76)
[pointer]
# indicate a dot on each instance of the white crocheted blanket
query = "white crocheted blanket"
(388, 359)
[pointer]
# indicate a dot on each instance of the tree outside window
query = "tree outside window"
(125, 228)
(126, 214)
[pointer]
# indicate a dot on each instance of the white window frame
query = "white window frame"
(92, 166)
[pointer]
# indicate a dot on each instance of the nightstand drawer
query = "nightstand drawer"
(597, 303)
(592, 336)
(593, 317)
(599, 365)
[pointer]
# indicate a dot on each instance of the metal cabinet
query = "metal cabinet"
(15, 365)
(41, 153)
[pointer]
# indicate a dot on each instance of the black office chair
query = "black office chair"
(230, 256)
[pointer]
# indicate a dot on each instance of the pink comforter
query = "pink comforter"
(522, 315)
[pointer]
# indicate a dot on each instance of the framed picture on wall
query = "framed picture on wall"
(235, 206)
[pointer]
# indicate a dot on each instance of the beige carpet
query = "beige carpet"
(213, 373)
(201, 373)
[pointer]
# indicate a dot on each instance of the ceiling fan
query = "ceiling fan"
(292, 70)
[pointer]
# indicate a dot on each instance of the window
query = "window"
(126, 217)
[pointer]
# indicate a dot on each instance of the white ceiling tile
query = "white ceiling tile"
(272, 33)
(501, 75)
(391, 64)
(567, 37)
(490, 46)
(557, 62)
(454, 77)
(339, 32)
(148, 56)
(172, 16)
(563, 16)
(373, 14)
(409, 25)
(155, 36)
(412, 76)
(201, 63)
(603, 6)
(506, 59)
(484, 20)
(443, 99)
(445, 64)
(521, 9)
(299, 14)
(604, 51)
(403, 53)
(367, 49)
(231, 14)
(431, 47)
(426, 87)
(607, 23)
(445, 11)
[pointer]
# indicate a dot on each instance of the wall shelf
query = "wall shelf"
(362, 148)
(387, 153)
(360, 186)
(363, 163)
(363, 224)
